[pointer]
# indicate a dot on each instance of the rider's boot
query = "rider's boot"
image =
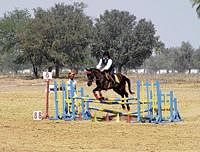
(115, 84)
(109, 77)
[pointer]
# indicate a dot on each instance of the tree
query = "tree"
(58, 37)
(66, 35)
(163, 59)
(196, 3)
(183, 57)
(153, 64)
(9, 26)
(31, 47)
(144, 43)
(129, 42)
(75, 33)
(196, 59)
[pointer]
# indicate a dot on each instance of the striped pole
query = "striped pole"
(56, 100)
(64, 96)
(138, 101)
(159, 114)
(46, 114)
(171, 106)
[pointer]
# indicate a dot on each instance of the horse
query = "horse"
(104, 83)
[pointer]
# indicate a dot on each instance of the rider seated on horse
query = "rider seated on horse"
(106, 65)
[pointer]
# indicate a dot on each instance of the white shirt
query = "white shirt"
(107, 66)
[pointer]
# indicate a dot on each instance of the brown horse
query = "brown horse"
(104, 83)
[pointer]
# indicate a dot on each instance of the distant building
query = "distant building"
(139, 71)
(25, 71)
(162, 71)
(192, 71)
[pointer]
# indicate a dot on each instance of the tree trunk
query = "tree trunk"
(189, 71)
(35, 71)
(57, 68)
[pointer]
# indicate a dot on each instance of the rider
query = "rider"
(106, 65)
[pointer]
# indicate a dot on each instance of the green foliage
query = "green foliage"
(145, 41)
(180, 59)
(196, 59)
(196, 3)
(57, 37)
(153, 64)
(10, 25)
(184, 57)
(64, 36)
(30, 45)
(129, 42)
(67, 35)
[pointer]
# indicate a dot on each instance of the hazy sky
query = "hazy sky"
(174, 20)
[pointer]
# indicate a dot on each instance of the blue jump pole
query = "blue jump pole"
(64, 96)
(68, 96)
(171, 98)
(56, 115)
(159, 114)
(176, 115)
(82, 104)
(138, 101)
(148, 95)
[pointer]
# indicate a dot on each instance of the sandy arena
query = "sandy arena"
(20, 133)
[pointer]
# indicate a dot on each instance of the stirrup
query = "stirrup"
(116, 84)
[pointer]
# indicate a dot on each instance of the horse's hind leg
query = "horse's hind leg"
(122, 95)
(127, 105)
(123, 105)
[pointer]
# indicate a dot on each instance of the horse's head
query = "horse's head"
(92, 74)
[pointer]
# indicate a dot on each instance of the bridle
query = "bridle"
(94, 76)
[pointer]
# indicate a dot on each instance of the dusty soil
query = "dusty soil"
(20, 133)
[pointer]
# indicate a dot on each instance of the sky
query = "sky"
(175, 20)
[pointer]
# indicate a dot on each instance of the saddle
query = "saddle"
(109, 77)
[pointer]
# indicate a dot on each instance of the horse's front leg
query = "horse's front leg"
(98, 95)
(101, 96)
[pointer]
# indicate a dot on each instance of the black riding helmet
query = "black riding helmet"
(106, 53)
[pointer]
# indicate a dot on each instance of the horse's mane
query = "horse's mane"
(93, 69)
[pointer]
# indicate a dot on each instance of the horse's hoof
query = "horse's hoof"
(101, 99)
(123, 107)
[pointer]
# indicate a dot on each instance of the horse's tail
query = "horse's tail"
(129, 85)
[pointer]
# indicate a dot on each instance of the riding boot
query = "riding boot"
(107, 76)
(115, 84)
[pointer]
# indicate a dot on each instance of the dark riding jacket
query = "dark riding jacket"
(106, 64)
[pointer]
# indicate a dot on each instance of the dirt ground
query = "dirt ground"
(20, 133)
